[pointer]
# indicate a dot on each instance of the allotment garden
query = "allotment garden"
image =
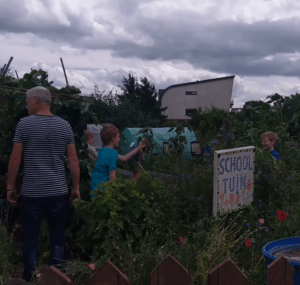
(170, 209)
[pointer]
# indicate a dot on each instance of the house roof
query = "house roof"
(161, 92)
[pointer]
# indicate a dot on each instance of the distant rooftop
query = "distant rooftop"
(161, 92)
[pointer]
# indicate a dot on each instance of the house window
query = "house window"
(191, 93)
(189, 112)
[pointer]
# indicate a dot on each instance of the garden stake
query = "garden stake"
(2, 70)
(5, 69)
(17, 75)
(64, 72)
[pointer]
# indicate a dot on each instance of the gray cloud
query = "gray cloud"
(223, 46)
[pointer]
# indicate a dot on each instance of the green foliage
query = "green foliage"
(208, 124)
(177, 143)
(9, 259)
(142, 95)
(117, 211)
(136, 225)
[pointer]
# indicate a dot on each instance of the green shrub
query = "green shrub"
(9, 259)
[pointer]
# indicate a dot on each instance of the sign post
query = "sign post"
(233, 179)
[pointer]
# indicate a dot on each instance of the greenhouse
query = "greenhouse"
(161, 138)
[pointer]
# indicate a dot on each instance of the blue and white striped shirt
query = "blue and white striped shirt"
(45, 140)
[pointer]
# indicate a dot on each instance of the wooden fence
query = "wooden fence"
(171, 272)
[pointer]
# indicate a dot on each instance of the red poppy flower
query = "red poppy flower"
(181, 241)
(249, 242)
(281, 216)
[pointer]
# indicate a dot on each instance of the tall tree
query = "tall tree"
(143, 95)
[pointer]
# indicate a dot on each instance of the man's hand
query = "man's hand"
(75, 194)
(12, 198)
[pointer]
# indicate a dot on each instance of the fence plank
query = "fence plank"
(54, 276)
(289, 274)
(280, 272)
(213, 277)
(169, 272)
(227, 273)
(108, 274)
(16, 281)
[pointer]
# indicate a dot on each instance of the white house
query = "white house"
(178, 101)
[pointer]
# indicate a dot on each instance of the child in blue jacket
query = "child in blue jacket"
(268, 141)
(105, 169)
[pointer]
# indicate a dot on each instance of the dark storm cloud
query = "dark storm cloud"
(229, 47)
(219, 46)
(16, 17)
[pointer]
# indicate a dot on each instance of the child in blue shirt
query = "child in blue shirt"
(106, 164)
(268, 140)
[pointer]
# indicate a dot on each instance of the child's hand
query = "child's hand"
(143, 144)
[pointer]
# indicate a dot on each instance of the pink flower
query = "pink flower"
(92, 266)
(231, 198)
(249, 185)
(237, 198)
(261, 221)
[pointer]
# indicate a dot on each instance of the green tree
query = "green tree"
(143, 96)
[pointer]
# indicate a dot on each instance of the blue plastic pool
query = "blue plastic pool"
(276, 245)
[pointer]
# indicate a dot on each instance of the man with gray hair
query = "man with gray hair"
(43, 139)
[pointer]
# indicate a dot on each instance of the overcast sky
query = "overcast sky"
(169, 42)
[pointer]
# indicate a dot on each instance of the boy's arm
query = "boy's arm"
(112, 175)
(133, 152)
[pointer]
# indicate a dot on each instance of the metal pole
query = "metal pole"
(17, 75)
(6, 68)
(64, 71)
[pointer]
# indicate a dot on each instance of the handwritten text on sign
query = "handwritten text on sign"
(233, 179)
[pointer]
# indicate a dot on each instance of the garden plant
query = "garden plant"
(137, 224)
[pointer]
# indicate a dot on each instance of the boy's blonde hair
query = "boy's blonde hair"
(271, 136)
(108, 132)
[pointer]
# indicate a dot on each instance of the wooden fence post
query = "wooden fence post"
(280, 272)
(168, 272)
(227, 273)
(108, 274)
(54, 276)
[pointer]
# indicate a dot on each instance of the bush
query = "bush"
(9, 259)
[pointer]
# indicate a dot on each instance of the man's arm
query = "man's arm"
(74, 169)
(14, 165)
(13, 169)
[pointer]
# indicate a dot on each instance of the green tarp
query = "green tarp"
(160, 135)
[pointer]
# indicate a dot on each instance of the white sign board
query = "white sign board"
(233, 179)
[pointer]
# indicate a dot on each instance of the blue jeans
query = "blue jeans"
(32, 210)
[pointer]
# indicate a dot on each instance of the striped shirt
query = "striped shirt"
(45, 140)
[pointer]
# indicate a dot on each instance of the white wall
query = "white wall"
(210, 94)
